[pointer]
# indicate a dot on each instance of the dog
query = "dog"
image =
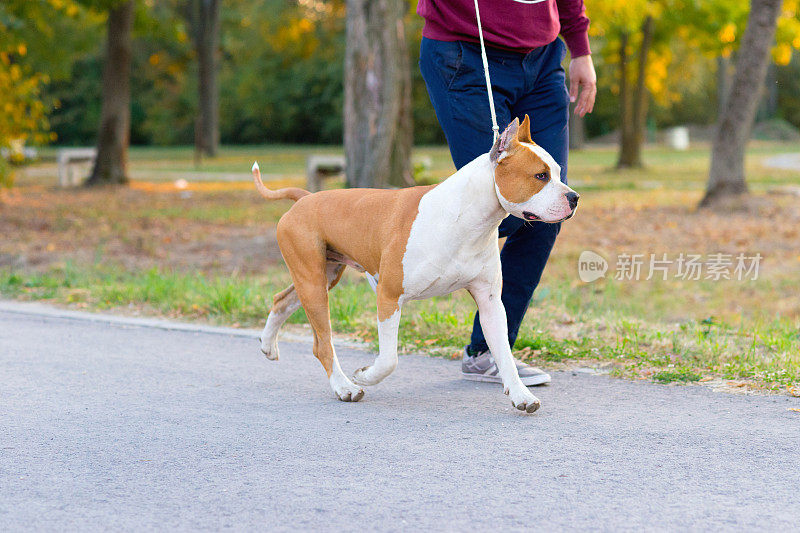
(415, 243)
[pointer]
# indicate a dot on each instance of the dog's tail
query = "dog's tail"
(292, 193)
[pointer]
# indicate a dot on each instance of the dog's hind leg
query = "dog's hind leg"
(388, 326)
(284, 305)
(312, 289)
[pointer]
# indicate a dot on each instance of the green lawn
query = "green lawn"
(590, 168)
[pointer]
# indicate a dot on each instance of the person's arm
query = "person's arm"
(574, 26)
(575, 31)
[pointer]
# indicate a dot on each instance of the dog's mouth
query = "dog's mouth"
(530, 216)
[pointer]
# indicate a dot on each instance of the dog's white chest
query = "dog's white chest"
(448, 247)
(437, 274)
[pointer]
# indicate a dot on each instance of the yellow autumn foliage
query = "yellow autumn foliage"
(23, 115)
(710, 28)
(728, 33)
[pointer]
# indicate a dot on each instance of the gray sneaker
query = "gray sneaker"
(483, 368)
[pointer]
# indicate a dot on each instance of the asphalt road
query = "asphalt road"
(129, 427)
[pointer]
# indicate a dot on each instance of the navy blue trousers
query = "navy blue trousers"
(532, 84)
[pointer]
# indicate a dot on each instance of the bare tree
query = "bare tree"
(377, 87)
(726, 177)
(633, 99)
(206, 18)
(113, 137)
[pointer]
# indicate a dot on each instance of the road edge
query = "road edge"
(38, 309)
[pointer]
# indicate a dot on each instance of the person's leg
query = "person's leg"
(528, 245)
(453, 74)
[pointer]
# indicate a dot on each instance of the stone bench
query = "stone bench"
(70, 158)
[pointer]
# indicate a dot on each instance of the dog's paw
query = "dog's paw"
(360, 377)
(524, 400)
(350, 394)
(344, 389)
(270, 349)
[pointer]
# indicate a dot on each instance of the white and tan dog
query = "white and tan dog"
(415, 243)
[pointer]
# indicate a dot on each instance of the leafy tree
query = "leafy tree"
(163, 89)
(22, 116)
(281, 75)
(649, 41)
(630, 29)
(281, 67)
(32, 50)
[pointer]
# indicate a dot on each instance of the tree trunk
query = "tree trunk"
(642, 97)
(632, 134)
(726, 177)
(373, 92)
(768, 106)
(577, 130)
(626, 130)
(207, 49)
(400, 172)
(723, 83)
(115, 117)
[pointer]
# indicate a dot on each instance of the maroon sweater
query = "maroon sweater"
(508, 24)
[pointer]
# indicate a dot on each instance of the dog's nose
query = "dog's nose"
(572, 198)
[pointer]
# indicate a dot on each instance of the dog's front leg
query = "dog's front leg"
(495, 331)
(386, 361)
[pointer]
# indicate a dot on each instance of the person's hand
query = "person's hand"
(581, 74)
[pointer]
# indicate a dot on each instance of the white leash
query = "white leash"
(495, 127)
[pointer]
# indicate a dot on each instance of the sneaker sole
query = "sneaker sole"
(529, 381)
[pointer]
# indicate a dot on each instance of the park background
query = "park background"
(170, 224)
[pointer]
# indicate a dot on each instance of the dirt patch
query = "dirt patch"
(138, 229)
(766, 224)
(231, 229)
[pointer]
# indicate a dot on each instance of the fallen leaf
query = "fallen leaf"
(794, 391)
(795, 409)
(737, 384)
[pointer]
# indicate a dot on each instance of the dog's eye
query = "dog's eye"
(542, 176)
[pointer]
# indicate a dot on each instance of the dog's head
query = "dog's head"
(527, 179)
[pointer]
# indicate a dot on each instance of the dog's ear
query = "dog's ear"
(505, 142)
(525, 131)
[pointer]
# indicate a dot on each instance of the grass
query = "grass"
(681, 375)
(202, 254)
(165, 164)
(763, 352)
(217, 299)
(592, 168)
